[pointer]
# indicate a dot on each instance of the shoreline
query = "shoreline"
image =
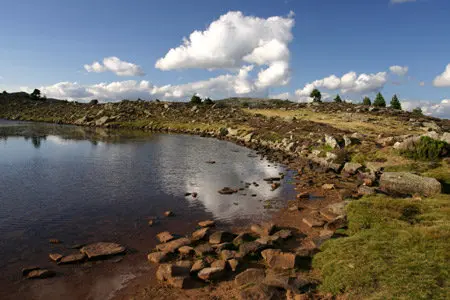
(331, 157)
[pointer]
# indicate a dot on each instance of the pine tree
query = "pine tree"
(338, 99)
(379, 101)
(366, 101)
(316, 95)
(395, 104)
(196, 100)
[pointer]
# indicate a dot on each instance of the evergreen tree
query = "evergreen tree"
(395, 104)
(196, 99)
(36, 94)
(417, 111)
(379, 101)
(316, 95)
(366, 101)
(208, 101)
(338, 99)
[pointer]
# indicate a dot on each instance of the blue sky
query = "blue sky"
(47, 44)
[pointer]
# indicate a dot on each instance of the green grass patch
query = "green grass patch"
(396, 249)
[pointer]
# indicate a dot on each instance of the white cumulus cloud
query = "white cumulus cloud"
(348, 83)
(115, 65)
(443, 80)
(399, 70)
(429, 108)
(234, 41)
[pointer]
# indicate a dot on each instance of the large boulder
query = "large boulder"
(404, 183)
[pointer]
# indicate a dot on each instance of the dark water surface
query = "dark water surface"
(85, 185)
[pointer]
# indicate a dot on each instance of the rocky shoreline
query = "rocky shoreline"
(270, 260)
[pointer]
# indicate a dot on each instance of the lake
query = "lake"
(82, 185)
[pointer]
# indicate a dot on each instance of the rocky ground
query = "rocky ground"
(346, 156)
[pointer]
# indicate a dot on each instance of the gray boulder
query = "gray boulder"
(404, 183)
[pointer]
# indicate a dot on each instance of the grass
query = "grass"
(387, 125)
(396, 249)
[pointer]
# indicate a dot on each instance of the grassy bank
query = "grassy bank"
(395, 249)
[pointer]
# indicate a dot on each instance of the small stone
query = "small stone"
(167, 271)
(180, 282)
(203, 249)
(55, 256)
(169, 213)
(228, 254)
(198, 265)
(328, 186)
(249, 247)
(173, 245)
(242, 238)
(186, 250)
(219, 264)
(72, 258)
(200, 234)
(249, 276)
(227, 191)
(223, 246)
(187, 264)
(366, 190)
(284, 234)
(275, 185)
(313, 221)
(157, 257)
(351, 168)
(194, 195)
(40, 274)
(220, 237)
(234, 264)
(54, 241)
(279, 260)
(264, 229)
(211, 274)
(207, 223)
(152, 222)
(164, 237)
(303, 195)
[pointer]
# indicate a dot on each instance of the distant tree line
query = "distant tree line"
(379, 101)
(195, 99)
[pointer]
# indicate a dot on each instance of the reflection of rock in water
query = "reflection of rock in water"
(233, 168)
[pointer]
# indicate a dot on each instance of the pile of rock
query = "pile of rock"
(93, 251)
(209, 255)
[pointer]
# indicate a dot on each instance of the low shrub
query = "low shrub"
(426, 149)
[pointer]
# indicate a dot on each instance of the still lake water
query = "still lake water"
(84, 185)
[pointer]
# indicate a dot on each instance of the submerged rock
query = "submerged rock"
(39, 273)
(102, 249)
(164, 237)
(72, 258)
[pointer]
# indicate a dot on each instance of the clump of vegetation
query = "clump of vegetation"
(196, 100)
(396, 249)
(36, 94)
(316, 95)
(417, 112)
(93, 101)
(395, 103)
(223, 131)
(208, 101)
(379, 101)
(426, 149)
(338, 99)
(366, 101)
